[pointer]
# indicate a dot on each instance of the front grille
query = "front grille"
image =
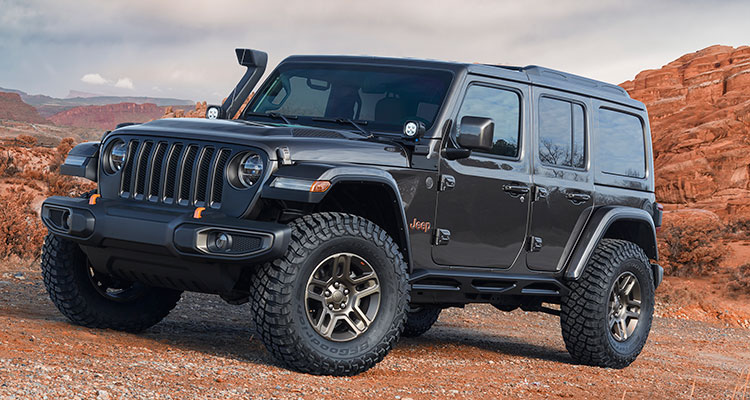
(174, 173)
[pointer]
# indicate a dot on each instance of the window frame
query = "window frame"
(586, 135)
(643, 136)
(492, 85)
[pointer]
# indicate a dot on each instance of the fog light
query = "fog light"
(222, 241)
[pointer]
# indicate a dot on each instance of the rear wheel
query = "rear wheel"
(420, 320)
(606, 317)
(90, 298)
(336, 302)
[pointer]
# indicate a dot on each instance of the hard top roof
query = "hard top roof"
(533, 74)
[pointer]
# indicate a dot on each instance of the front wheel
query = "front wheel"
(607, 315)
(336, 302)
(90, 298)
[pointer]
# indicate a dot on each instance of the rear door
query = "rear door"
(564, 186)
(485, 209)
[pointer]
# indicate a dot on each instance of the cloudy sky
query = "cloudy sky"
(184, 48)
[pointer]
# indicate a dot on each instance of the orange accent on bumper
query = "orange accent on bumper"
(198, 213)
(94, 198)
(320, 186)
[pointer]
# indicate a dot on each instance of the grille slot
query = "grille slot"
(217, 189)
(156, 167)
(142, 169)
(171, 178)
(204, 166)
(174, 173)
(127, 172)
(187, 175)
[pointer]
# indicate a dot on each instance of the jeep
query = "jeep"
(354, 198)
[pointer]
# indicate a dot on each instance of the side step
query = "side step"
(460, 287)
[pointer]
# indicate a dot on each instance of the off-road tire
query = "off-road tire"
(584, 311)
(420, 320)
(65, 273)
(279, 288)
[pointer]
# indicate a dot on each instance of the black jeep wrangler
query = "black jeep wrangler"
(355, 197)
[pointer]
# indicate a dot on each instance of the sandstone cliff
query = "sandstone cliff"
(108, 116)
(13, 108)
(699, 111)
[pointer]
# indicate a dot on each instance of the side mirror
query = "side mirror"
(476, 133)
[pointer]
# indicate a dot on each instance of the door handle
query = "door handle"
(578, 198)
(516, 189)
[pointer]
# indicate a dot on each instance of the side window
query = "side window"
(622, 148)
(561, 133)
(503, 107)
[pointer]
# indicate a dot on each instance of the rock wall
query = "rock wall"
(13, 108)
(699, 111)
(108, 116)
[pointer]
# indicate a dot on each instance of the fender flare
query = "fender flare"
(596, 229)
(337, 175)
(83, 161)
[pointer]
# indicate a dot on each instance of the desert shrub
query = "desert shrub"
(690, 243)
(741, 279)
(60, 153)
(7, 164)
(21, 231)
(26, 140)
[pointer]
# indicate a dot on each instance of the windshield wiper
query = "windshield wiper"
(275, 115)
(348, 121)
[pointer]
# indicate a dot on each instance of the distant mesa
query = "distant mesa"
(699, 111)
(48, 106)
(84, 95)
(13, 108)
(107, 116)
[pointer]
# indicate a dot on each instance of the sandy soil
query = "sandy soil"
(206, 349)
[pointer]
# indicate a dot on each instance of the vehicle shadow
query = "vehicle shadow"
(206, 324)
(440, 336)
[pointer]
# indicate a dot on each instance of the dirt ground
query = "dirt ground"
(206, 349)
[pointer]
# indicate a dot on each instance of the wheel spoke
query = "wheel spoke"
(629, 284)
(362, 317)
(634, 303)
(623, 329)
(353, 325)
(318, 282)
(343, 265)
(363, 278)
(633, 314)
(311, 295)
(326, 329)
(368, 291)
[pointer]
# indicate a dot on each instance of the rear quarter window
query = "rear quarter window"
(622, 146)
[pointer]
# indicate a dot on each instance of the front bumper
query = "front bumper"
(167, 246)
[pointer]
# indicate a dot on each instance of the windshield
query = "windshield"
(382, 98)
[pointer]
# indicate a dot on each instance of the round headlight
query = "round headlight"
(250, 169)
(118, 152)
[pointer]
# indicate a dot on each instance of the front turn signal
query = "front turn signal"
(198, 213)
(320, 186)
(94, 198)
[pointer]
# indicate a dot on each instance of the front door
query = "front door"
(486, 209)
(563, 183)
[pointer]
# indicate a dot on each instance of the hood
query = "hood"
(305, 143)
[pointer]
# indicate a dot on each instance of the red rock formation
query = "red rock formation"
(108, 116)
(699, 110)
(13, 108)
(199, 112)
